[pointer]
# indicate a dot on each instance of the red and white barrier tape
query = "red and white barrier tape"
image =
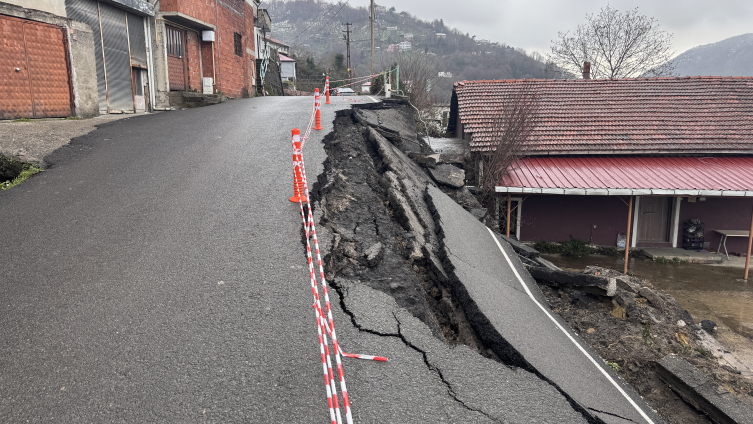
(311, 229)
(324, 325)
(351, 84)
(356, 78)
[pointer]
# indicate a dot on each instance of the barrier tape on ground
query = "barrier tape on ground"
(356, 78)
(325, 325)
(347, 85)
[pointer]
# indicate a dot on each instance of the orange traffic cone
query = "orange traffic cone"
(318, 107)
(298, 194)
(326, 90)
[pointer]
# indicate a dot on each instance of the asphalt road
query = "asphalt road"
(155, 273)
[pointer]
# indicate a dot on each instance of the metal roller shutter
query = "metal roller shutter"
(111, 52)
(138, 39)
(117, 58)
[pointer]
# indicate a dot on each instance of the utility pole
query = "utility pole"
(372, 37)
(347, 44)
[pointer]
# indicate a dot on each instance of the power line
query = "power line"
(322, 16)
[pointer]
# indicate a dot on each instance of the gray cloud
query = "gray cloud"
(533, 24)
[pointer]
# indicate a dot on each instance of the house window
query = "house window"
(238, 44)
(174, 42)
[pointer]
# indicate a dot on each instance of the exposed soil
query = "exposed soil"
(372, 240)
(634, 338)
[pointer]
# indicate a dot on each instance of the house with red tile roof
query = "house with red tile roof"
(680, 148)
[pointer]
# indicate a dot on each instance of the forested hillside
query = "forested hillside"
(315, 29)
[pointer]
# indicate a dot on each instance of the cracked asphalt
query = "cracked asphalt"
(155, 273)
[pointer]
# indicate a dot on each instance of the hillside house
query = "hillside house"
(278, 45)
(681, 148)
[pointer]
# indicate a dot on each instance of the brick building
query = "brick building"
(204, 46)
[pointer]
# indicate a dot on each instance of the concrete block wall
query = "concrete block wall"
(83, 69)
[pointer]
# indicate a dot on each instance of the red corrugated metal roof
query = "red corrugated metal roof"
(621, 175)
(688, 114)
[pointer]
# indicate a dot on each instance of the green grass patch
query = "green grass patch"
(647, 336)
(576, 248)
(614, 365)
(72, 118)
(22, 120)
(27, 171)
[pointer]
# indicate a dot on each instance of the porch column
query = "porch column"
(627, 236)
(750, 244)
(508, 214)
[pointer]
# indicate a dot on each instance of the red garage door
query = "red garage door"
(33, 70)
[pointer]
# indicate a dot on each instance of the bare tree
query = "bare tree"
(618, 45)
(418, 74)
(515, 121)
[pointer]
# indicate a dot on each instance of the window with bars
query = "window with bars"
(238, 41)
(174, 42)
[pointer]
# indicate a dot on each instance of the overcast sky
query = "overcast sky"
(532, 24)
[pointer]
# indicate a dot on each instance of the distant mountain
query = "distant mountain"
(732, 57)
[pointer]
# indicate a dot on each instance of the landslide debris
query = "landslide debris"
(370, 199)
(634, 328)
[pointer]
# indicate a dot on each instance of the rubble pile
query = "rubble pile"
(634, 327)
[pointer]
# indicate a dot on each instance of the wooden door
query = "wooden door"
(176, 58)
(653, 219)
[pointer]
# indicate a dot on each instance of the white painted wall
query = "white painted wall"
(56, 7)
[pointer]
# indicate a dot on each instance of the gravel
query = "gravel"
(33, 141)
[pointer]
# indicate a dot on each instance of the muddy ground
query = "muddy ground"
(634, 335)
(374, 239)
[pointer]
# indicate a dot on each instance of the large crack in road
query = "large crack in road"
(383, 237)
